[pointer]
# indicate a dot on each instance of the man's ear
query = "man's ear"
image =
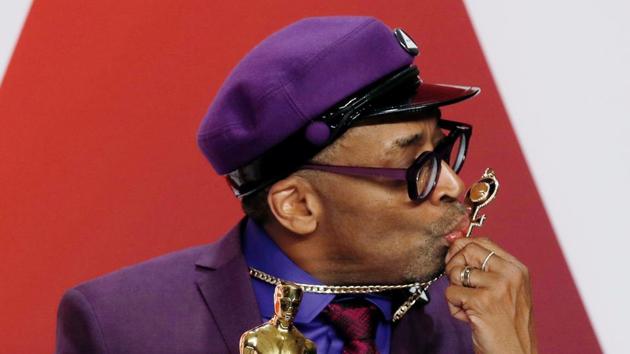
(295, 204)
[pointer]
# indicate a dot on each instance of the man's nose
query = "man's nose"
(449, 186)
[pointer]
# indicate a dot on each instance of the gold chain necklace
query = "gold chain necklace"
(417, 290)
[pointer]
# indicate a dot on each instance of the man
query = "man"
(348, 176)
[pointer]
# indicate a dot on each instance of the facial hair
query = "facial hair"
(428, 259)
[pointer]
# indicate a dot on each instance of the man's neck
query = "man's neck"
(313, 254)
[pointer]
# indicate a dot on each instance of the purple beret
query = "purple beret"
(293, 76)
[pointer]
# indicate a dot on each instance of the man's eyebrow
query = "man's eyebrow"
(406, 141)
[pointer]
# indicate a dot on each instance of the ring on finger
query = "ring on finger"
(484, 264)
(464, 276)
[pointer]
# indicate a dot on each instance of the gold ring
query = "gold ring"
(464, 276)
(484, 265)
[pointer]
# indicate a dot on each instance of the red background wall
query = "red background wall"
(99, 167)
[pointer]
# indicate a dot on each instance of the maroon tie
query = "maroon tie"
(355, 321)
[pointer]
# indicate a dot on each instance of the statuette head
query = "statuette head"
(287, 298)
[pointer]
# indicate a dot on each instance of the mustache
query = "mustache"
(448, 221)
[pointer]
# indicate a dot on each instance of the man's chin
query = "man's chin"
(437, 273)
(426, 271)
(425, 276)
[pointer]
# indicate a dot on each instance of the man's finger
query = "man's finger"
(487, 243)
(477, 277)
(522, 269)
(484, 242)
(458, 312)
(464, 298)
(473, 254)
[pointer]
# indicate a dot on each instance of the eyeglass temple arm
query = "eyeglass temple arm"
(451, 124)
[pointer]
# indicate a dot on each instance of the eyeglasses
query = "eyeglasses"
(423, 174)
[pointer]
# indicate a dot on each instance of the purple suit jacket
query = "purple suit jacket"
(200, 300)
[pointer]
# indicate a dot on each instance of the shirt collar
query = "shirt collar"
(262, 253)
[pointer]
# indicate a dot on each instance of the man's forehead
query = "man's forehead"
(397, 130)
(428, 115)
(378, 142)
(413, 134)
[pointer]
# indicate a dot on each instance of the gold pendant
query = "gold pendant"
(479, 195)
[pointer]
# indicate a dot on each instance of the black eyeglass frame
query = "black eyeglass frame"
(441, 152)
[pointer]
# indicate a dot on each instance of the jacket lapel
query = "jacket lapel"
(430, 328)
(411, 333)
(225, 284)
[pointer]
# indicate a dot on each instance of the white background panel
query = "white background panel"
(562, 68)
(12, 16)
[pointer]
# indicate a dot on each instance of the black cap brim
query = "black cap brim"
(427, 96)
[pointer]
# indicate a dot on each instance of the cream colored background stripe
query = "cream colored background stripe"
(562, 68)
(12, 16)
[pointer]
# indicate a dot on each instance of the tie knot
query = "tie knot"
(354, 320)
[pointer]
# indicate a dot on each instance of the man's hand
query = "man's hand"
(498, 304)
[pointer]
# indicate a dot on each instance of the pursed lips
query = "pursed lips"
(459, 231)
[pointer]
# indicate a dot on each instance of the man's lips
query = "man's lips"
(459, 231)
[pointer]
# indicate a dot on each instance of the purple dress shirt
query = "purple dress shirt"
(263, 254)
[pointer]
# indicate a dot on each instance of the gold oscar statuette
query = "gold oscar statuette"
(279, 335)
(479, 195)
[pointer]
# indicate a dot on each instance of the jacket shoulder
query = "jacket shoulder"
(154, 306)
(154, 274)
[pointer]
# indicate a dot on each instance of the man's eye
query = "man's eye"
(397, 184)
(438, 139)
